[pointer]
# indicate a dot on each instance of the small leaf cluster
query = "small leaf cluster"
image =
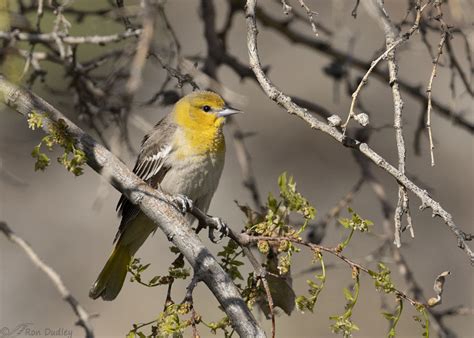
(343, 323)
(293, 200)
(382, 279)
(175, 271)
(223, 324)
(354, 223)
(252, 290)
(168, 324)
(73, 159)
(307, 303)
(229, 261)
(276, 222)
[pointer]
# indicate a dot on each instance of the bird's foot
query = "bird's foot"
(222, 229)
(182, 203)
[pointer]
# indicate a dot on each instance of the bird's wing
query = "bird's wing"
(151, 166)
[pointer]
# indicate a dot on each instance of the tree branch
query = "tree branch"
(153, 202)
(285, 101)
(71, 40)
(391, 35)
(80, 312)
(293, 35)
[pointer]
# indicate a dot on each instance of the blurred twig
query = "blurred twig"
(79, 311)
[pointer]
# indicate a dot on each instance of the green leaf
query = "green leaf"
(388, 315)
(35, 120)
(154, 280)
(143, 267)
(348, 295)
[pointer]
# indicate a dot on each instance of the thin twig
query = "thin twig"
(54, 277)
(429, 93)
(310, 13)
(243, 157)
(245, 240)
(390, 48)
(285, 101)
(138, 62)
(326, 48)
(318, 230)
(391, 34)
(71, 40)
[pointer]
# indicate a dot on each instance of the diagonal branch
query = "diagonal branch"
(153, 202)
(80, 312)
(285, 101)
(415, 91)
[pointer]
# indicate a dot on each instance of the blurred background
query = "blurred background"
(71, 221)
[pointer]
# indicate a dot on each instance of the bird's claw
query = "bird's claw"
(183, 203)
(222, 229)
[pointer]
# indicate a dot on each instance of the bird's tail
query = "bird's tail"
(111, 278)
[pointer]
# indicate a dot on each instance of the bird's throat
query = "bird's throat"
(206, 140)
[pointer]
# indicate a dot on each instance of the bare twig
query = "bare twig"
(391, 34)
(243, 157)
(318, 230)
(54, 277)
(415, 91)
(354, 10)
(283, 100)
(429, 93)
(149, 13)
(310, 13)
(364, 81)
(71, 40)
(270, 303)
(394, 42)
(413, 286)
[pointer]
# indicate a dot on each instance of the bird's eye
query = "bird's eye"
(206, 108)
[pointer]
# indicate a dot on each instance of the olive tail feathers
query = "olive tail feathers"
(111, 278)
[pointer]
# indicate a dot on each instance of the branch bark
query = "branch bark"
(285, 101)
(377, 11)
(154, 203)
(294, 36)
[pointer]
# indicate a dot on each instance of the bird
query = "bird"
(184, 156)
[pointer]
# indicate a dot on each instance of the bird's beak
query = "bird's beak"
(228, 111)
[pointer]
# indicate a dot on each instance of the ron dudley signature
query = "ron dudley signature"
(28, 330)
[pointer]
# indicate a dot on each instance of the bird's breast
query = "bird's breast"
(195, 170)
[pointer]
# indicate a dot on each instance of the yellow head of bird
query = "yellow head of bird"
(202, 110)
